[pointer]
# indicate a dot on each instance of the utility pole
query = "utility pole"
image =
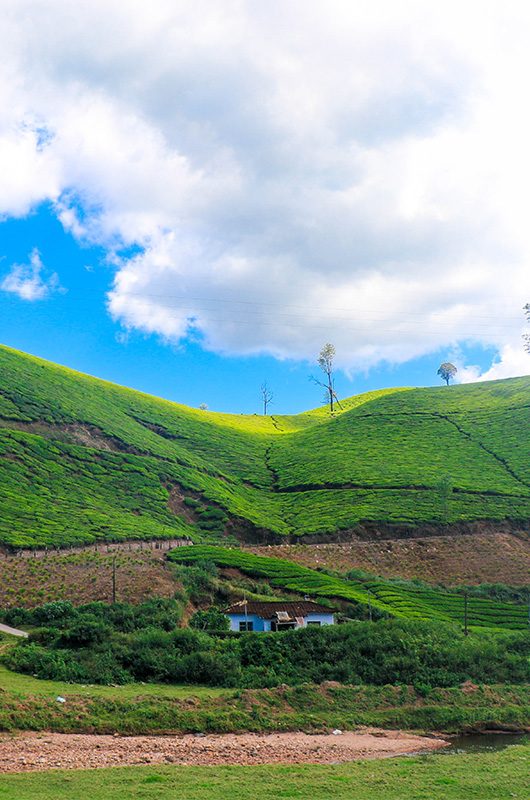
(465, 615)
(113, 579)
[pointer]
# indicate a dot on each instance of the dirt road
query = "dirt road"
(43, 751)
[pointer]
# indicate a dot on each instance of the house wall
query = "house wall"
(259, 624)
(324, 619)
(265, 624)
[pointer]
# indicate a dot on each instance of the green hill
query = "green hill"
(82, 459)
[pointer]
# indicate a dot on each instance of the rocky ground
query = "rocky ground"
(42, 751)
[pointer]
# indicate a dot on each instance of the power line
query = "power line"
(268, 304)
(333, 324)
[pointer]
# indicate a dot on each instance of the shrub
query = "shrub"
(212, 619)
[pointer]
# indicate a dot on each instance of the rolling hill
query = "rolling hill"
(82, 459)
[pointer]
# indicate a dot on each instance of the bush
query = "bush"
(91, 648)
(213, 619)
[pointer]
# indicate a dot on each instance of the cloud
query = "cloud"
(284, 174)
(511, 361)
(29, 281)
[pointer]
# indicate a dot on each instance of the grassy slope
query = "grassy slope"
(484, 776)
(397, 600)
(82, 459)
(154, 709)
(30, 704)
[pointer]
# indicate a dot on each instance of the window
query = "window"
(246, 626)
(314, 622)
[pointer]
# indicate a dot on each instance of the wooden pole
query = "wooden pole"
(114, 580)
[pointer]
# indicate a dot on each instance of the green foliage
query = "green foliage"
(211, 619)
(447, 371)
(83, 460)
(99, 645)
(395, 598)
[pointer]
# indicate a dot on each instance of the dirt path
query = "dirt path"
(42, 751)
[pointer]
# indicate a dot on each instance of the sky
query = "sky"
(196, 196)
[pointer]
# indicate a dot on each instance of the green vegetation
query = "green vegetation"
(482, 776)
(30, 704)
(22, 685)
(84, 460)
(395, 598)
(119, 644)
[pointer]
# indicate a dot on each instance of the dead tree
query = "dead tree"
(266, 396)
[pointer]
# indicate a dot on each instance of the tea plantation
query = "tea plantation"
(83, 460)
(397, 600)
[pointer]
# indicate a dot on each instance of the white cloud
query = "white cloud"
(29, 281)
(289, 173)
(511, 361)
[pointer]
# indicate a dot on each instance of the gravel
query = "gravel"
(43, 751)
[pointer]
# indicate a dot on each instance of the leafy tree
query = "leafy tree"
(446, 371)
(266, 396)
(526, 336)
(212, 619)
(325, 361)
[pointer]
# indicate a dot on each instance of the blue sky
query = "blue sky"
(72, 326)
(194, 199)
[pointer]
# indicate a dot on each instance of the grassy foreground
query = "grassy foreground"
(27, 685)
(25, 704)
(488, 776)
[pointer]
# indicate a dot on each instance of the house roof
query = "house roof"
(267, 610)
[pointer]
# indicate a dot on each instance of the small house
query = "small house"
(277, 616)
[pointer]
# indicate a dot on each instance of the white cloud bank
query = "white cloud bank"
(29, 281)
(292, 172)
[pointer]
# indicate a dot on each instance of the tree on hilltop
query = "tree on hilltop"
(526, 336)
(446, 371)
(266, 396)
(325, 361)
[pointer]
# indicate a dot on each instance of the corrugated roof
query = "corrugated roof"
(267, 610)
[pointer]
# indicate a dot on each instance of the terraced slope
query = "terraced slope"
(82, 459)
(397, 600)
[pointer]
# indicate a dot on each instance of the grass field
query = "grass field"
(484, 776)
(82, 460)
(398, 600)
(25, 685)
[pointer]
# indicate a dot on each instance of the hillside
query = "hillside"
(396, 599)
(82, 459)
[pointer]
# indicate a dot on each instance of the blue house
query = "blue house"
(277, 616)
